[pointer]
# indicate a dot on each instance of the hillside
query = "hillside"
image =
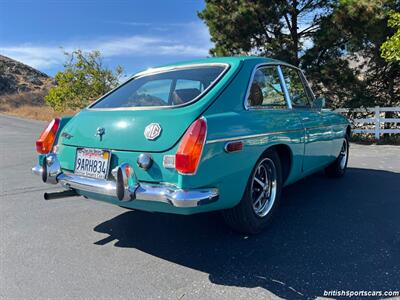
(16, 77)
(22, 89)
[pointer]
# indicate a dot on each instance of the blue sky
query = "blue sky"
(135, 34)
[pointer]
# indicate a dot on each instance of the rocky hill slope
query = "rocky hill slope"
(22, 90)
(16, 77)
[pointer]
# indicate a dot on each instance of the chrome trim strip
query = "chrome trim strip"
(260, 107)
(159, 71)
(252, 136)
(319, 126)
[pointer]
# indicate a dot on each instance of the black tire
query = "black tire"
(339, 166)
(243, 217)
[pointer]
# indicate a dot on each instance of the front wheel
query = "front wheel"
(261, 197)
(339, 166)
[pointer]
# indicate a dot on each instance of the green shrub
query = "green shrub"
(83, 80)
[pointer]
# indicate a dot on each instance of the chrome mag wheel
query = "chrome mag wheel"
(343, 154)
(264, 187)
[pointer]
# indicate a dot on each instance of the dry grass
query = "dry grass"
(29, 105)
(44, 113)
(34, 98)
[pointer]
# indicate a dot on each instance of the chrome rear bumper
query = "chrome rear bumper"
(125, 187)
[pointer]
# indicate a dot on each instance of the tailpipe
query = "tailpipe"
(58, 195)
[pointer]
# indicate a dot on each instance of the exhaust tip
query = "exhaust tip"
(125, 182)
(58, 195)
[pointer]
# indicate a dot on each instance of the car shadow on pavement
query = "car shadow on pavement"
(329, 234)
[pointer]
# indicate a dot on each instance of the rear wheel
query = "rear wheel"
(261, 197)
(339, 166)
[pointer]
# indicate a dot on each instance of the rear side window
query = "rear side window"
(295, 85)
(169, 88)
(266, 89)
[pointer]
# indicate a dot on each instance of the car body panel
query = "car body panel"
(318, 139)
(313, 138)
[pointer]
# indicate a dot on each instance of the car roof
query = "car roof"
(226, 59)
(231, 60)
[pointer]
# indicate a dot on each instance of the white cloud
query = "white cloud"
(33, 55)
(187, 40)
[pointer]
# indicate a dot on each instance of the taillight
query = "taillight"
(46, 140)
(188, 156)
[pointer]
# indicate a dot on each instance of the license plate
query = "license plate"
(92, 163)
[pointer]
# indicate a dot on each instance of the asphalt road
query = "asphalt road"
(330, 234)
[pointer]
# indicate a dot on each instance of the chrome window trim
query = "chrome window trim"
(282, 83)
(160, 70)
(285, 90)
(306, 86)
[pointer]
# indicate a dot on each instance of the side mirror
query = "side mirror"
(319, 103)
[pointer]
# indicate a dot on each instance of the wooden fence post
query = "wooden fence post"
(377, 123)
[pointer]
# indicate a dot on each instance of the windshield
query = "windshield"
(169, 88)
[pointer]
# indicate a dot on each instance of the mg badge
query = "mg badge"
(152, 131)
(99, 132)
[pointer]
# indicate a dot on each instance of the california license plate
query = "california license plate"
(92, 163)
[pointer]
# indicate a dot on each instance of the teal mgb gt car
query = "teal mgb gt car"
(215, 134)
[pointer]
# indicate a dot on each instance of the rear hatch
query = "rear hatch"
(169, 97)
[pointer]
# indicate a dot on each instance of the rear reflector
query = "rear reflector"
(188, 156)
(169, 161)
(234, 146)
(46, 140)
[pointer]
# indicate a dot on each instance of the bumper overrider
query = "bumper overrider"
(125, 186)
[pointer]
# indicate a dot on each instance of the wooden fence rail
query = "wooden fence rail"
(377, 120)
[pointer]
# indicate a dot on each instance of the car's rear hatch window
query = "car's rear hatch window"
(169, 87)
